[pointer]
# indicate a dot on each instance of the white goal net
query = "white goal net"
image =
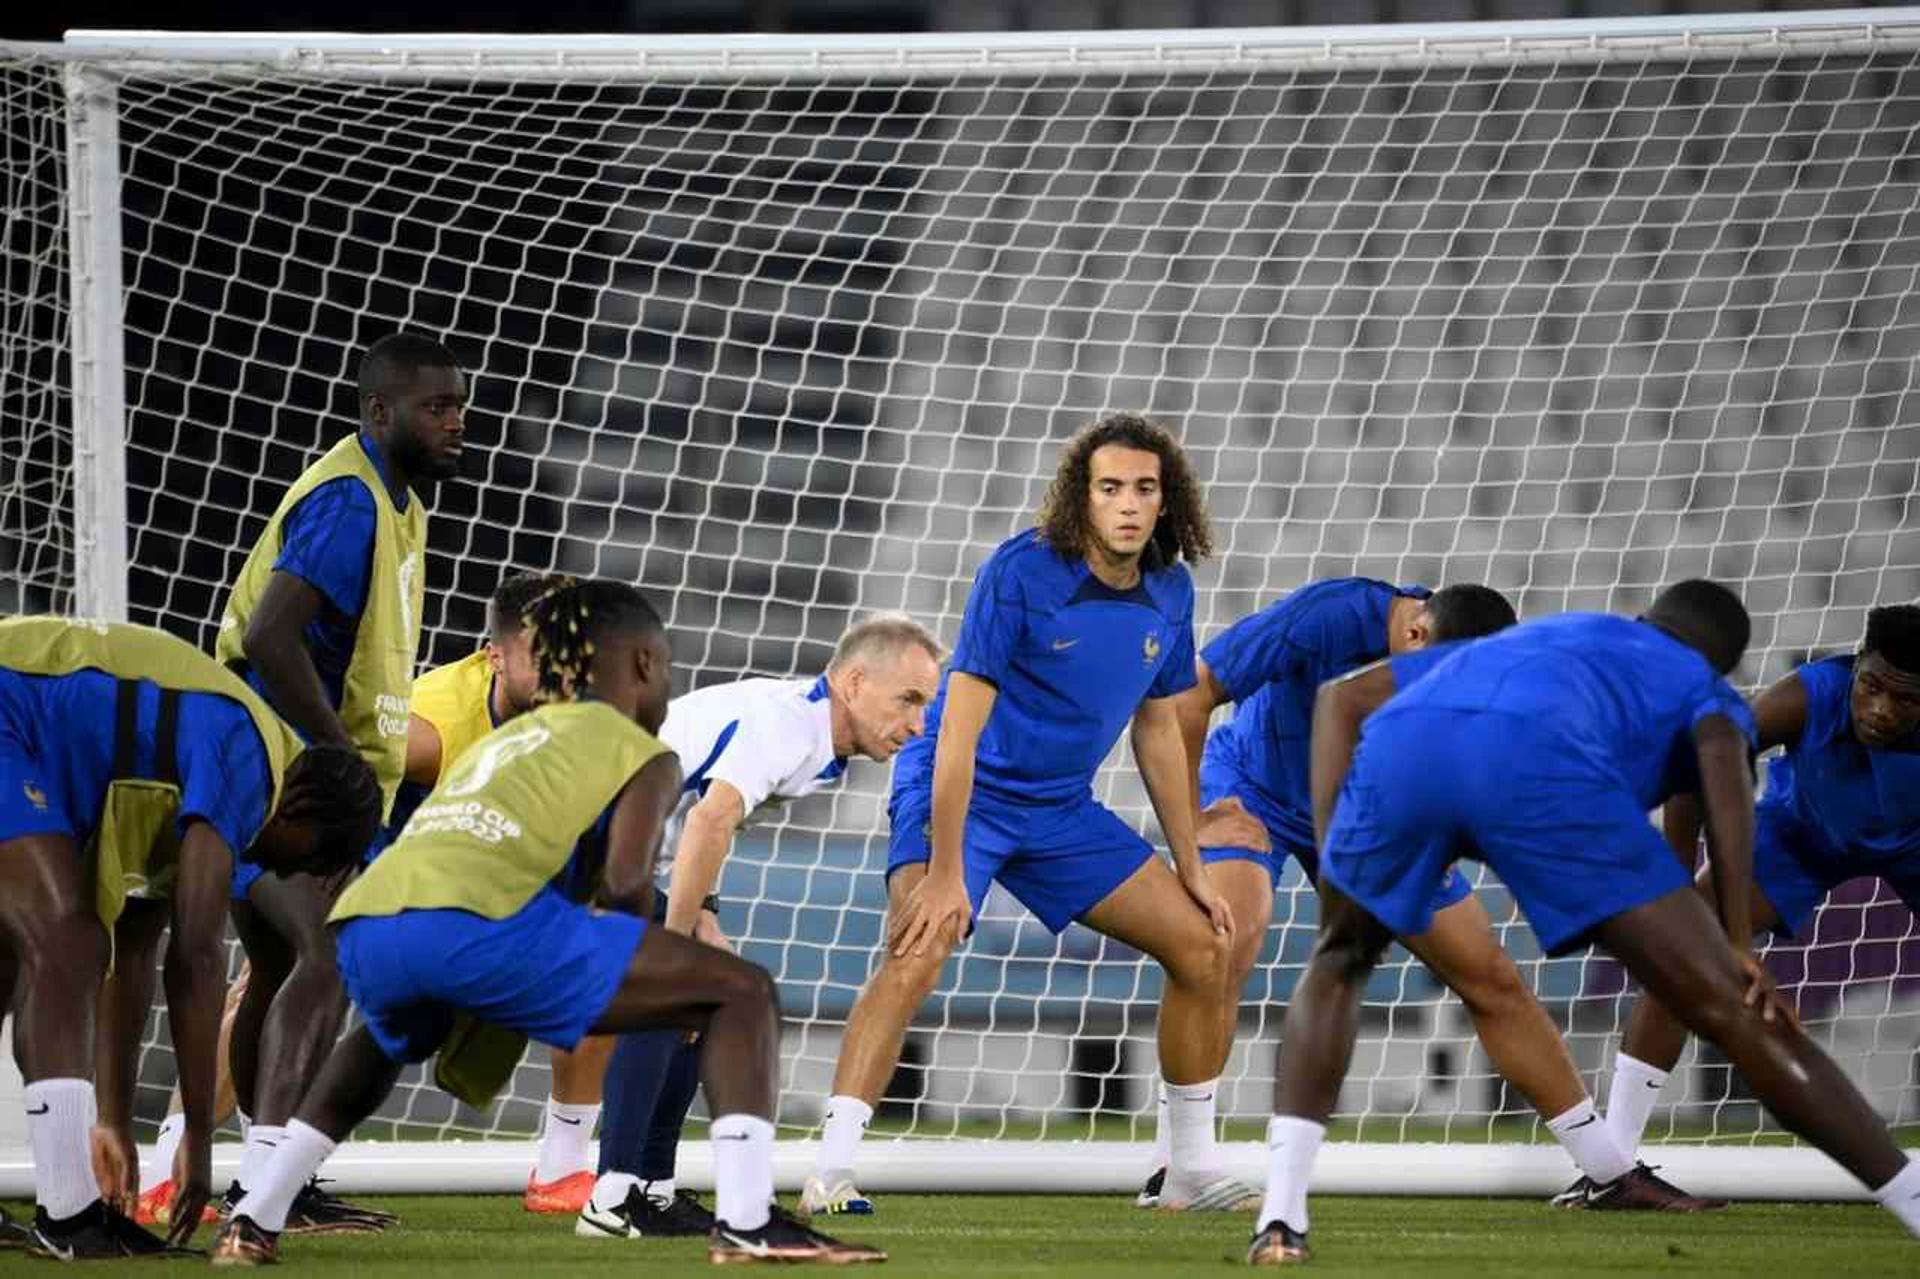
(786, 331)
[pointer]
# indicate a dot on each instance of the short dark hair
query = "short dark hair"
(507, 611)
(1467, 610)
(1181, 532)
(1893, 631)
(331, 787)
(577, 619)
(391, 364)
(1705, 616)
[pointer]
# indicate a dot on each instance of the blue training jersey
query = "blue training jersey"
(1072, 659)
(1856, 800)
(1272, 663)
(219, 760)
(1623, 695)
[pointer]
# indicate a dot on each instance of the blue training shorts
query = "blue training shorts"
(1221, 778)
(1796, 872)
(1432, 785)
(1060, 860)
(32, 801)
(549, 970)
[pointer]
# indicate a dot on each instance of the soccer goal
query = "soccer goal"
(788, 329)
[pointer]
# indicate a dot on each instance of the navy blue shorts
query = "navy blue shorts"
(1434, 785)
(548, 971)
(1796, 870)
(32, 801)
(1060, 860)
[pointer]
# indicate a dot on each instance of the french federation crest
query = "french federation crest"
(1150, 651)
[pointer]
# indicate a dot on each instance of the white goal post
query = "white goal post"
(786, 329)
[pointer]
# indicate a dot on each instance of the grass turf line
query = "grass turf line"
(464, 1237)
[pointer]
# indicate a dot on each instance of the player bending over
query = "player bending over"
(1540, 751)
(759, 744)
(1842, 802)
(324, 621)
(1071, 629)
(480, 908)
(135, 772)
(453, 706)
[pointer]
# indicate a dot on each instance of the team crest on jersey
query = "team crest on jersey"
(1150, 651)
(35, 796)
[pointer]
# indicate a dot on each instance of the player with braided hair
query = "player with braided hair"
(518, 895)
(135, 773)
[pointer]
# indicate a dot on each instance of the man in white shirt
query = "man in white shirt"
(746, 748)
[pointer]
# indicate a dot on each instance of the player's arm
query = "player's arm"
(276, 648)
(1161, 755)
(1779, 716)
(423, 752)
(706, 836)
(1726, 796)
(1192, 710)
(939, 901)
(633, 835)
(1340, 707)
(125, 997)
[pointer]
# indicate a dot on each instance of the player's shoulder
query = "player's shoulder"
(1025, 553)
(1171, 586)
(1827, 676)
(451, 676)
(343, 496)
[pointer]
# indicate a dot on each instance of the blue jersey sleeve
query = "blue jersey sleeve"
(327, 542)
(223, 773)
(1410, 667)
(1829, 685)
(1723, 699)
(1177, 673)
(1320, 627)
(994, 622)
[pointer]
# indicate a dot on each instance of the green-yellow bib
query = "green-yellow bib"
(379, 682)
(135, 848)
(505, 818)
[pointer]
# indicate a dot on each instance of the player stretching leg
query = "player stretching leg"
(754, 745)
(1842, 802)
(1070, 630)
(165, 769)
(1540, 751)
(324, 620)
(476, 909)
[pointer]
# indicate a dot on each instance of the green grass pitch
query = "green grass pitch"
(970, 1236)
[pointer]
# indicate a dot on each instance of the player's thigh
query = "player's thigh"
(1152, 912)
(43, 887)
(295, 908)
(1463, 952)
(1247, 885)
(1675, 948)
(674, 982)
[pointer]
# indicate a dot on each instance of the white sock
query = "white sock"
(60, 1115)
(661, 1190)
(1191, 1150)
(1631, 1099)
(164, 1148)
(564, 1141)
(847, 1119)
(1292, 1144)
(610, 1191)
(742, 1170)
(300, 1151)
(1590, 1143)
(1901, 1196)
(262, 1140)
(1162, 1131)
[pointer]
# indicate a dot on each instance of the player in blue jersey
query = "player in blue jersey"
(1540, 751)
(1842, 802)
(301, 645)
(1072, 630)
(129, 789)
(1254, 775)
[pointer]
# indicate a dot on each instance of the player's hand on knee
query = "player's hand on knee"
(116, 1166)
(936, 911)
(1226, 823)
(1763, 993)
(707, 929)
(1209, 899)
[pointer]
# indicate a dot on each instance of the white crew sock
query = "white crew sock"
(60, 1115)
(847, 1119)
(1292, 1144)
(262, 1140)
(298, 1154)
(661, 1190)
(1191, 1151)
(1901, 1196)
(1631, 1099)
(1162, 1131)
(1590, 1143)
(564, 1141)
(742, 1170)
(611, 1190)
(160, 1168)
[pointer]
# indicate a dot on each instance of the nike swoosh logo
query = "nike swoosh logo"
(746, 1245)
(59, 1253)
(618, 1231)
(43, 1110)
(1590, 1119)
(1060, 644)
(729, 1136)
(1652, 1085)
(563, 1119)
